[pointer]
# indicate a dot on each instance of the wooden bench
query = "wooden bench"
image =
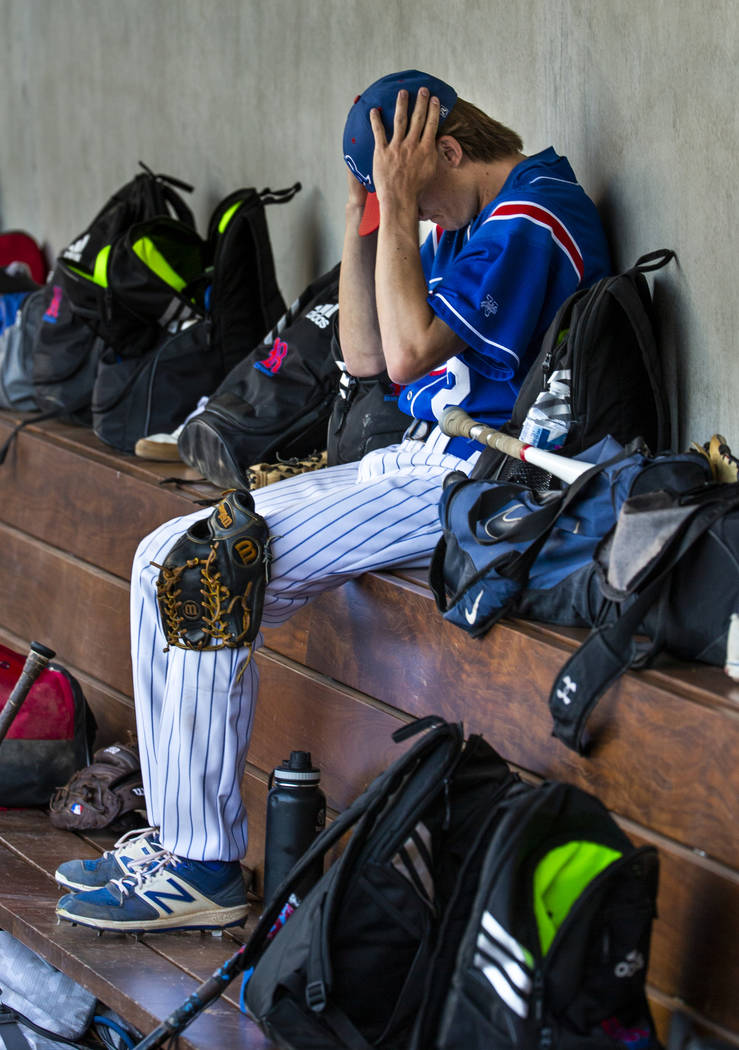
(336, 680)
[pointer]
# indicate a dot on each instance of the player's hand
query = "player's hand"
(402, 167)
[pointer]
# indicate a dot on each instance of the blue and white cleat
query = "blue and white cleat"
(163, 892)
(113, 864)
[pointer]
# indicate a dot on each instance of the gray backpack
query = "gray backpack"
(16, 354)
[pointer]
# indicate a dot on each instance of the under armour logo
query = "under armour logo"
(568, 686)
(489, 306)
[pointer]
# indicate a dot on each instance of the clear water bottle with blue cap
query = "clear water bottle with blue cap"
(548, 420)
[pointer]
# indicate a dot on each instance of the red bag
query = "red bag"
(20, 254)
(50, 737)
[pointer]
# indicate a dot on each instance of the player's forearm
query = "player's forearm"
(359, 330)
(412, 340)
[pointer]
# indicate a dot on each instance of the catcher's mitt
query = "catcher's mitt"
(211, 585)
(107, 792)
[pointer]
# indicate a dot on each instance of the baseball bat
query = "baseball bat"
(455, 422)
(37, 659)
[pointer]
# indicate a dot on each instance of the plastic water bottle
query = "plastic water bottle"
(296, 812)
(548, 419)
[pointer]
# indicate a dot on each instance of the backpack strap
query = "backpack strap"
(610, 650)
(627, 296)
(654, 260)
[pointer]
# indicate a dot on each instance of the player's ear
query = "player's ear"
(450, 150)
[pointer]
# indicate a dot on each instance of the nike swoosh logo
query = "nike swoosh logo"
(470, 615)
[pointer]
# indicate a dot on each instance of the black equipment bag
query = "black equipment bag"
(348, 967)
(670, 568)
(153, 393)
(276, 402)
(365, 414)
(602, 344)
(556, 945)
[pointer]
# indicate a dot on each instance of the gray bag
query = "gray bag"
(16, 353)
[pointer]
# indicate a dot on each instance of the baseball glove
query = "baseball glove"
(724, 464)
(211, 585)
(260, 474)
(107, 792)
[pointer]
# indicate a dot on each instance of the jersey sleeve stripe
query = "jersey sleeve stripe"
(490, 342)
(542, 217)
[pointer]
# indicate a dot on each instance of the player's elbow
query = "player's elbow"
(406, 361)
(402, 373)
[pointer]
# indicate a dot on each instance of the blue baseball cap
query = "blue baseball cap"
(359, 141)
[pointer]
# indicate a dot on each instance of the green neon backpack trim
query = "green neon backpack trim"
(559, 879)
(228, 215)
(150, 255)
(99, 274)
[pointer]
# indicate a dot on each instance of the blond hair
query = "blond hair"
(480, 137)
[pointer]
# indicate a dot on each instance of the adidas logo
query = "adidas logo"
(75, 249)
(321, 315)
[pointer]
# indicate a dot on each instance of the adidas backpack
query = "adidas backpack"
(275, 403)
(556, 946)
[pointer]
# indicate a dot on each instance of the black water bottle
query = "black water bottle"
(296, 812)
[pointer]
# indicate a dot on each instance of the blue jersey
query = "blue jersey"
(499, 282)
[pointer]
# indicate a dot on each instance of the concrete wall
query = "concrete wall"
(639, 94)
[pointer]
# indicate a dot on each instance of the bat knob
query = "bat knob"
(43, 650)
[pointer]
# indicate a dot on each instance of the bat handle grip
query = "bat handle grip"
(37, 659)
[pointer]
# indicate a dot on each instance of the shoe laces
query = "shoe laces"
(143, 869)
(135, 833)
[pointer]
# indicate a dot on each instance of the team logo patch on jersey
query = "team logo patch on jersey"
(489, 306)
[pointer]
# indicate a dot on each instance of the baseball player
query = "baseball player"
(457, 322)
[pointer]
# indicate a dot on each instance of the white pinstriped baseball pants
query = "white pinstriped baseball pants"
(194, 713)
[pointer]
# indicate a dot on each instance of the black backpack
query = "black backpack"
(600, 354)
(670, 568)
(276, 402)
(206, 302)
(556, 945)
(349, 966)
(83, 268)
(468, 910)
(365, 414)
